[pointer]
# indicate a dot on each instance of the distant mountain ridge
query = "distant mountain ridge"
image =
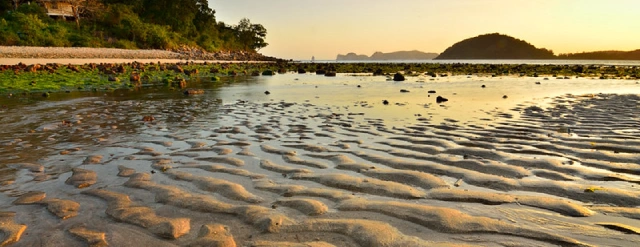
(495, 46)
(398, 55)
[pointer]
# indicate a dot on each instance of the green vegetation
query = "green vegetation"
(129, 24)
(92, 77)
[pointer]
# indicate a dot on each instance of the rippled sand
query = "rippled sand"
(231, 168)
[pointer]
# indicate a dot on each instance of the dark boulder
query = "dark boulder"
(398, 77)
(330, 73)
(385, 102)
(321, 72)
(431, 91)
(268, 72)
(302, 71)
(441, 99)
(267, 92)
(404, 91)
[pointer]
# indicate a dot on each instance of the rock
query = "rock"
(330, 74)
(302, 71)
(193, 91)
(135, 77)
(538, 83)
(483, 86)
(358, 86)
(385, 102)
(148, 118)
(441, 99)
(398, 77)
(321, 72)
(505, 96)
(404, 91)
(268, 72)
(267, 92)
(431, 91)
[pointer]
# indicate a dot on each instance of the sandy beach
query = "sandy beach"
(11, 55)
(237, 167)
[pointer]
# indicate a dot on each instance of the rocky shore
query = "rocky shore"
(86, 53)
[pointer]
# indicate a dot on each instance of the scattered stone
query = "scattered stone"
(398, 77)
(505, 96)
(385, 102)
(267, 92)
(404, 91)
(441, 99)
(193, 91)
(431, 91)
(483, 86)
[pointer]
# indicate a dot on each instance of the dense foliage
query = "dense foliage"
(130, 24)
(494, 46)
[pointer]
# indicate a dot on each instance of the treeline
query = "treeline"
(603, 55)
(128, 24)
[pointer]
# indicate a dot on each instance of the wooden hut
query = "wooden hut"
(59, 8)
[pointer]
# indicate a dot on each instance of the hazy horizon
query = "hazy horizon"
(301, 29)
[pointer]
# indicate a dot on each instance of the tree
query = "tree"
(251, 36)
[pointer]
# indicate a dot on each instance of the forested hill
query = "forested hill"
(494, 46)
(129, 24)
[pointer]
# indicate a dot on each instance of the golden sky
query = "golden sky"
(299, 29)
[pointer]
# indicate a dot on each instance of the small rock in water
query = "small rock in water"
(483, 86)
(404, 91)
(441, 99)
(267, 92)
(431, 91)
(385, 102)
(504, 96)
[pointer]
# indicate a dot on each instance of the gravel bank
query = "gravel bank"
(112, 53)
(83, 52)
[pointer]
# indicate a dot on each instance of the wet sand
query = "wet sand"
(235, 167)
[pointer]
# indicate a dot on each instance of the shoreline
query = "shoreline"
(12, 53)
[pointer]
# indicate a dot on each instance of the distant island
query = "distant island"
(398, 55)
(495, 46)
(499, 46)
